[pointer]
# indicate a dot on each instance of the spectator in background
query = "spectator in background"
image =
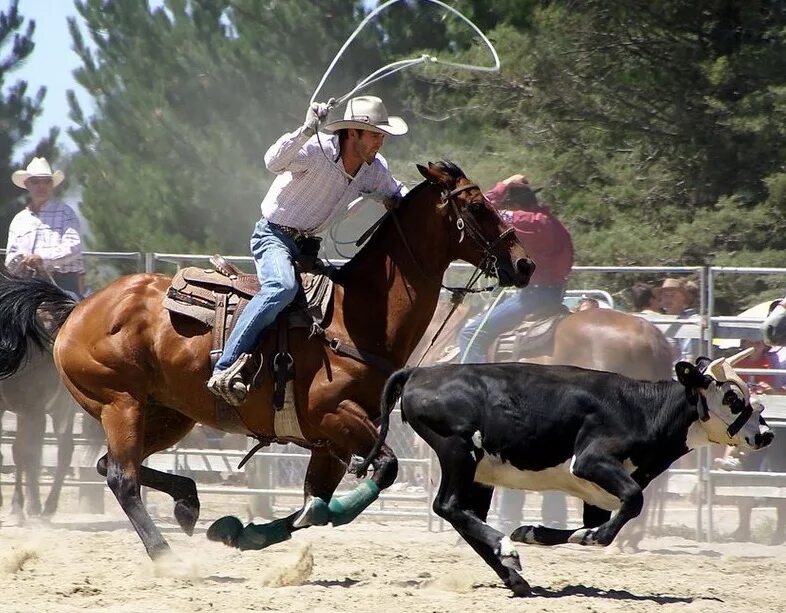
(645, 299)
(675, 300)
(547, 242)
(771, 459)
(44, 238)
(586, 303)
(691, 298)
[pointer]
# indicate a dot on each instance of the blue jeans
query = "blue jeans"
(274, 255)
(507, 314)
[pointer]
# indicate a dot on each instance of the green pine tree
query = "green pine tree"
(18, 111)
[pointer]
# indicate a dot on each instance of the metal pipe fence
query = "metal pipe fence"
(275, 474)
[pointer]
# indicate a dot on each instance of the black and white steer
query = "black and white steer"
(596, 435)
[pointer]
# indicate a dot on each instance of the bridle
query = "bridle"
(464, 222)
(735, 426)
(488, 263)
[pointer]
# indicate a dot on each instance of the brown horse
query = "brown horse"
(142, 371)
(600, 339)
(604, 339)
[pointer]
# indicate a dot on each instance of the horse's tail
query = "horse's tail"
(20, 300)
(390, 395)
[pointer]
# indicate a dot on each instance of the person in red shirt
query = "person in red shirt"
(547, 242)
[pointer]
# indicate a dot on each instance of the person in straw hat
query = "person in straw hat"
(319, 175)
(44, 238)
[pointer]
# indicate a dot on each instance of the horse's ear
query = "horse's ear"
(434, 174)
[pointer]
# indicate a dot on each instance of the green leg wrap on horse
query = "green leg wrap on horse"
(259, 536)
(316, 513)
(346, 508)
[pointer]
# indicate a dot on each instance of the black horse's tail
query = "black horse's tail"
(20, 321)
(390, 395)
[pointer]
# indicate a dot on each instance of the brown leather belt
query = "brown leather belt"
(292, 233)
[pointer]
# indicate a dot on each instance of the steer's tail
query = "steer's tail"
(390, 395)
(31, 312)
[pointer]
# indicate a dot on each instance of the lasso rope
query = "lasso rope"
(383, 73)
(394, 67)
(480, 324)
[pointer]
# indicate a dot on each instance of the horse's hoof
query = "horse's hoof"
(186, 515)
(357, 467)
(49, 509)
(225, 530)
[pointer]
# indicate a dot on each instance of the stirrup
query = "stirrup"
(229, 384)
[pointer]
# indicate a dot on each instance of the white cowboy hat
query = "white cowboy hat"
(39, 167)
(368, 113)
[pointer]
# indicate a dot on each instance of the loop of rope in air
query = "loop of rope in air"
(394, 67)
(390, 69)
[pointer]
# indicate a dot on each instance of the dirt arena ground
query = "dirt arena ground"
(96, 563)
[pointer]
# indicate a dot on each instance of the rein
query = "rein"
(488, 265)
(457, 294)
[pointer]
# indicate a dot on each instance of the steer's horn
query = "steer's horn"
(740, 356)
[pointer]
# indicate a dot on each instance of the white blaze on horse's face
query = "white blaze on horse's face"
(734, 419)
(774, 327)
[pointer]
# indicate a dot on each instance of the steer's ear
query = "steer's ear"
(690, 376)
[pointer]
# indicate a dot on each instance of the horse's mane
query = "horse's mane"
(444, 165)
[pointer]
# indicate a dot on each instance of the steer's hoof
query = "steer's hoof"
(520, 588)
(225, 530)
(511, 561)
(508, 555)
(523, 534)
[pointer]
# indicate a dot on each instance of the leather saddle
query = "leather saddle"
(203, 293)
(216, 297)
(533, 336)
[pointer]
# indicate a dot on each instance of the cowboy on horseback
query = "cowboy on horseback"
(44, 237)
(318, 177)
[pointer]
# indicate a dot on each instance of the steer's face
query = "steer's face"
(727, 413)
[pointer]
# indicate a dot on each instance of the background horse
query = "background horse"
(141, 371)
(33, 393)
(599, 339)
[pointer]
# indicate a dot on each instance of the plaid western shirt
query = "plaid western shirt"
(310, 191)
(52, 233)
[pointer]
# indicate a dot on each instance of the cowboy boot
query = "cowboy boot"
(229, 384)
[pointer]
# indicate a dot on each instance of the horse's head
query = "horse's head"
(482, 238)
(727, 413)
(774, 327)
